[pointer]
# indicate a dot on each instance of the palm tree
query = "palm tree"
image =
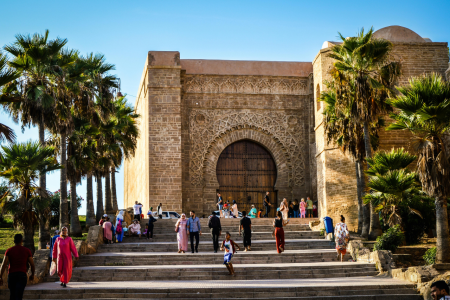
(21, 164)
(68, 81)
(392, 182)
(79, 163)
(126, 135)
(6, 76)
(342, 130)
(364, 61)
(35, 58)
(424, 110)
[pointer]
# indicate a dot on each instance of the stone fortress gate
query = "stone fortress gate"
(247, 127)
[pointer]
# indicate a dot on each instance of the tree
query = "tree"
(364, 62)
(35, 57)
(21, 165)
(393, 184)
(424, 110)
(342, 130)
(6, 76)
(79, 163)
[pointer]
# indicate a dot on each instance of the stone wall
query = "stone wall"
(218, 110)
(336, 177)
(336, 173)
(136, 173)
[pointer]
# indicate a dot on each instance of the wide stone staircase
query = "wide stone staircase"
(140, 269)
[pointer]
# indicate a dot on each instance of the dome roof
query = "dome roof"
(398, 34)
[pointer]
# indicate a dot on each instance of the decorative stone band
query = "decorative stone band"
(245, 85)
(208, 126)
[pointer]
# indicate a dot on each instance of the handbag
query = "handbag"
(52, 268)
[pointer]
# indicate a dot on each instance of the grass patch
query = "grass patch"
(7, 239)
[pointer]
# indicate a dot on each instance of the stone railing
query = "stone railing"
(41, 257)
(383, 259)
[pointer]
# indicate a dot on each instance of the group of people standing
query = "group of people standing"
(291, 209)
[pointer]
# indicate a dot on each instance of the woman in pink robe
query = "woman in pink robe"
(107, 231)
(62, 256)
(182, 238)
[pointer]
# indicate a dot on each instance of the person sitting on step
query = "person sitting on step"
(134, 229)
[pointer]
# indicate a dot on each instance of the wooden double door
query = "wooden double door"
(246, 171)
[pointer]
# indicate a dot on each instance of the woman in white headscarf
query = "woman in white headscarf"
(119, 229)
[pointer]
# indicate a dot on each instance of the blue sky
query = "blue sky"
(242, 30)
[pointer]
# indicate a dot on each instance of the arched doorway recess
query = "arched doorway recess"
(245, 172)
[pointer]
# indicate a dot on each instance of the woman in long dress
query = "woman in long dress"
(180, 228)
(107, 231)
(235, 209)
(284, 208)
(119, 229)
(62, 256)
(341, 235)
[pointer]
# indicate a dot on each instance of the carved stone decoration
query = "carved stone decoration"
(245, 85)
(284, 130)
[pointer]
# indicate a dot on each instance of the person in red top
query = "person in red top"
(18, 257)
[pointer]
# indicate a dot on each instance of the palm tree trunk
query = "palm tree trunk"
(108, 202)
(375, 227)
(99, 213)
(90, 212)
(44, 225)
(443, 240)
(63, 205)
(28, 236)
(366, 207)
(359, 193)
(44, 231)
(75, 226)
(113, 190)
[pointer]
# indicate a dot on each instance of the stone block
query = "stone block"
(94, 239)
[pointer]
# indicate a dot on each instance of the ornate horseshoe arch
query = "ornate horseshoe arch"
(211, 131)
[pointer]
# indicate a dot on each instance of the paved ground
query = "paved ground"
(236, 266)
(182, 284)
(209, 242)
(268, 252)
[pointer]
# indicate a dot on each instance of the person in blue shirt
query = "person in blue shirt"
(52, 242)
(194, 230)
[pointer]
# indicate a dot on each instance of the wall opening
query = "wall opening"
(245, 172)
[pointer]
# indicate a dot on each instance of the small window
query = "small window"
(318, 97)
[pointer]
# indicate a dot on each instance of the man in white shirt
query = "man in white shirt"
(440, 290)
(160, 211)
(137, 212)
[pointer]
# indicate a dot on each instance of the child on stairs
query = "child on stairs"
(230, 249)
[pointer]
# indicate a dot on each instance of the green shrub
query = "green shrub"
(322, 232)
(413, 225)
(390, 240)
(430, 256)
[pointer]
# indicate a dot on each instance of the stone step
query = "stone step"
(235, 221)
(373, 288)
(267, 235)
(135, 244)
(218, 272)
(164, 258)
(255, 228)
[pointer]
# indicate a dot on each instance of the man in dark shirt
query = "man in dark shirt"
(18, 257)
(245, 225)
(216, 230)
(267, 205)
